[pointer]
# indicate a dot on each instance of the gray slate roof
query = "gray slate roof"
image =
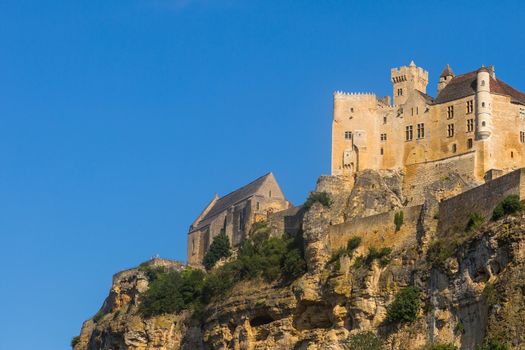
(236, 196)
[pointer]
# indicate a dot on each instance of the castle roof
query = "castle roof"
(236, 196)
(428, 99)
(447, 71)
(465, 85)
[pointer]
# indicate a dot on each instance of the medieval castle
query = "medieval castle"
(474, 127)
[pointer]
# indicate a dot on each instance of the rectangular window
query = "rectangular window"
(522, 113)
(417, 110)
(381, 150)
(470, 106)
(399, 92)
(384, 120)
(412, 109)
(522, 136)
(470, 125)
(469, 143)
(454, 148)
(450, 130)
(450, 112)
(408, 133)
(258, 206)
(348, 135)
(420, 130)
(383, 137)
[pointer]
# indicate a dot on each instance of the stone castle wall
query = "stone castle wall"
(377, 230)
(420, 175)
(454, 212)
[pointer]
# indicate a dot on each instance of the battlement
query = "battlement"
(400, 74)
(356, 96)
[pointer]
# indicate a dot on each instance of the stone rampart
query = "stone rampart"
(454, 213)
(377, 230)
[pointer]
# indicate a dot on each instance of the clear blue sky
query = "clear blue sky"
(120, 119)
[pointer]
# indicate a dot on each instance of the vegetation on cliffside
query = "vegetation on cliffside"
(261, 256)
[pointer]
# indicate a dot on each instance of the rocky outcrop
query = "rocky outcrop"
(471, 289)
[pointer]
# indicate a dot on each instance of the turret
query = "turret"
(445, 77)
(407, 79)
(483, 104)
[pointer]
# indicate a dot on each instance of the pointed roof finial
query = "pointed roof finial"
(412, 64)
(447, 71)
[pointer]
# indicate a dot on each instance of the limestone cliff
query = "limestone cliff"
(471, 289)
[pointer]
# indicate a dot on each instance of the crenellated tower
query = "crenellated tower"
(405, 80)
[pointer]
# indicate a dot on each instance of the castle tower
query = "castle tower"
(407, 79)
(483, 104)
(445, 77)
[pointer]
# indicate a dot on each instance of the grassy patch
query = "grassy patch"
(399, 218)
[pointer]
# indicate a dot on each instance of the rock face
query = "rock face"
(471, 290)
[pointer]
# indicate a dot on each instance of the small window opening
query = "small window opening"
(454, 148)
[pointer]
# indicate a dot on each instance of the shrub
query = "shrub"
(75, 341)
(475, 220)
(378, 254)
(172, 292)
(440, 347)
(363, 341)
(98, 316)
(353, 243)
(321, 197)
(152, 273)
(405, 306)
(398, 220)
(493, 345)
(509, 205)
(219, 248)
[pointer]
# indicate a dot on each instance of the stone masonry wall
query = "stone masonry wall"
(376, 230)
(420, 175)
(454, 212)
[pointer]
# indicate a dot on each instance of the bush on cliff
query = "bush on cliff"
(321, 197)
(509, 205)
(363, 341)
(493, 345)
(219, 248)
(440, 347)
(405, 306)
(352, 244)
(475, 220)
(399, 218)
(75, 341)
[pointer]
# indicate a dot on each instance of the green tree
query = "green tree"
(219, 248)
(405, 306)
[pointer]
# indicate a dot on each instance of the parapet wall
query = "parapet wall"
(377, 230)
(454, 213)
(286, 221)
(418, 176)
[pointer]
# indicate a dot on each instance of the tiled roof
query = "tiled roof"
(465, 85)
(236, 196)
(447, 71)
(459, 87)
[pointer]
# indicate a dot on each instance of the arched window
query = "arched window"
(483, 83)
(483, 123)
